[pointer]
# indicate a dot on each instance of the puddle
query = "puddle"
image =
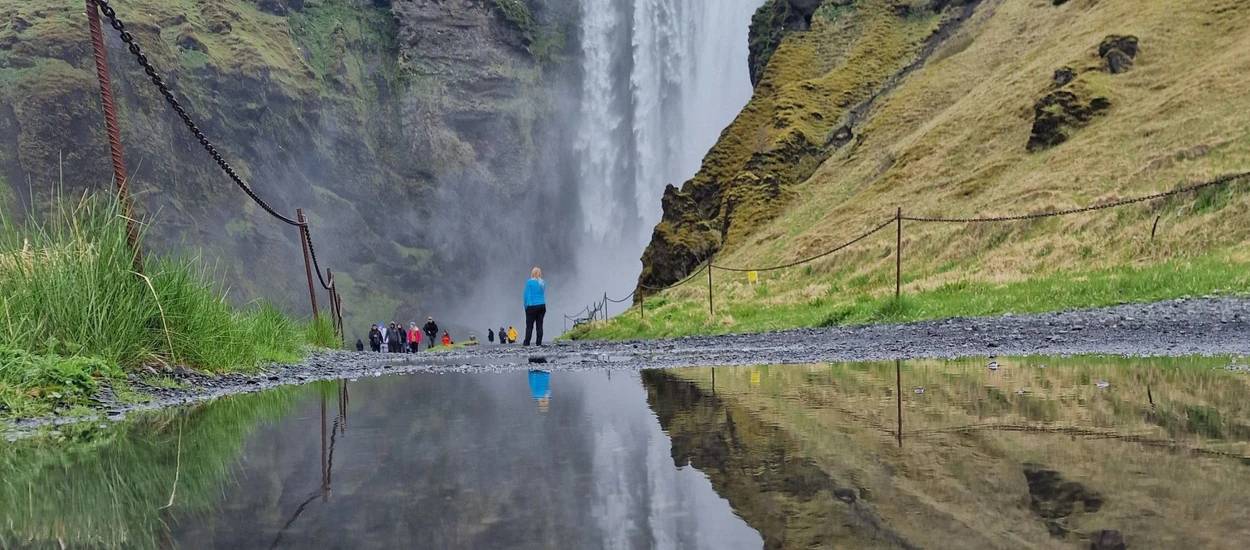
(1036, 452)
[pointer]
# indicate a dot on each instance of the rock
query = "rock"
(1118, 53)
(845, 495)
(1063, 76)
(1058, 2)
(1052, 497)
(1107, 540)
(1059, 112)
(182, 371)
(770, 24)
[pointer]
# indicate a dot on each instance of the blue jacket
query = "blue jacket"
(535, 292)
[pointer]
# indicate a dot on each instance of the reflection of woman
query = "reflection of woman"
(540, 388)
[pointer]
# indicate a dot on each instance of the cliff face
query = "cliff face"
(375, 117)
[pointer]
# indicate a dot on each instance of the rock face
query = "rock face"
(377, 117)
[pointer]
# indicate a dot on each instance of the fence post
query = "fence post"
(605, 306)
(333, 302)
(338, 302)
(303, 241)
(711, 310)
(898, 255)
(114, 131)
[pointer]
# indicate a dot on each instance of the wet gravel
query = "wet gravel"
(1209, 326)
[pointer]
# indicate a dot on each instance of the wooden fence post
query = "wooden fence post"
(711, 309)
(898, 255)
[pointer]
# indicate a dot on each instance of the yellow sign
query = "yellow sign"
(753, 276)
(755, 377)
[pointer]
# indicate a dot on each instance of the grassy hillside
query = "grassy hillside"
(952, 139)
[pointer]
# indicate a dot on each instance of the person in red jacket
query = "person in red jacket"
(414, 338)
(446, 339)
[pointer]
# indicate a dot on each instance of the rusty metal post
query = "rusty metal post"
(113, 129)
(338, 299)
(303, 241)
(711, 310)
(898, 256)
(898, 390)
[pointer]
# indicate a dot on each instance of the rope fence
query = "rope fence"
(898, 219)
(311, 265)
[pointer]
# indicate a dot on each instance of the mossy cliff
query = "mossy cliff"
(964, 109)
(371, 115)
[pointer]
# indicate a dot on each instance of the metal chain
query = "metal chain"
(1186, 189)
(870, 233)
(313, 252)
(142, 59)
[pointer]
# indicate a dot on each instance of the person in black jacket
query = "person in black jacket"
(431, 331)
(360, 346)
(503, 336)
(375, 339)
(490, 335)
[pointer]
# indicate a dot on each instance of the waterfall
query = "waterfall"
(660, 80)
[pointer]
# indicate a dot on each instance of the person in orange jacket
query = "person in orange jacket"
(446, 339)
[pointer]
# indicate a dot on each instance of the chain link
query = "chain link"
(313, 252)
(1103, 206)
(133, 46)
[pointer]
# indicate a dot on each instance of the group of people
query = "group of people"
(394, 338)
(505, 336)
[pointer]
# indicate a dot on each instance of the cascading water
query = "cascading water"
(660, 80)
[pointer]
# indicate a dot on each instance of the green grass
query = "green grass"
(1209, 275)
(73, 312)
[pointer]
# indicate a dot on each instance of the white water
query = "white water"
(661, 79)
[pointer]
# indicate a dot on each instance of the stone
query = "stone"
(845, 495)
(1059, 112)
(1063, 76)
(1107, 539)
(1118, 52)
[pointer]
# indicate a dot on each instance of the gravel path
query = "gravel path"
(1211, 326)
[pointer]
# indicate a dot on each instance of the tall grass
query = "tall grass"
(69, 289)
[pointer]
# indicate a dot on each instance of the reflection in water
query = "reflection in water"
(1070, 454)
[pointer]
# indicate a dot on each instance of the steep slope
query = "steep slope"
(375, 117)
(1024, 107)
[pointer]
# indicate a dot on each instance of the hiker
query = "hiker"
(393, 338)
(446, 339)
(472, 338)
(360, 346)
(386, 338)
(431, 330)
(490, 335)
(535, 306)
(375, 339)
(503, 336)
(511, 335)
(414, 337)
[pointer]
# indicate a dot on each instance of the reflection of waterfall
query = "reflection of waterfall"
(661, 79)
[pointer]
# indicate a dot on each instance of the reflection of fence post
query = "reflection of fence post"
(303, 238)
(898, 255)
(898, 390)
(325, 476)
(711, 310)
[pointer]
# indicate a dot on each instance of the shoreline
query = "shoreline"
(1176, 328)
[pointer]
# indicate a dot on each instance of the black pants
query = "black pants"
(534, 315)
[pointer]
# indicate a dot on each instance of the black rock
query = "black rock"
(844, 495)
(1107, 540)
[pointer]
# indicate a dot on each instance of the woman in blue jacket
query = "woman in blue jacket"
(535, 305)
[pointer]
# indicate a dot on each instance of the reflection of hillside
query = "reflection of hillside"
(1163, 476)
(762, 472)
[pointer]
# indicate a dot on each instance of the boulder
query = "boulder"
(1107, 540)
(1059, 112)
(1118, 52)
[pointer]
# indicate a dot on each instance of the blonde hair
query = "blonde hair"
(536, 273)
